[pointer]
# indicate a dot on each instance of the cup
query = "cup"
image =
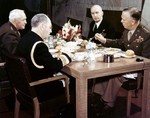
(51, 42)
(108, 58)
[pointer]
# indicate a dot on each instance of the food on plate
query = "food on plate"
(113, 49)
(84, 42)
(58, 47)
(129, 53)
(90, 45)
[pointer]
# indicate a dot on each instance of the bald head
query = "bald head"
(96, 13)
(98, 7)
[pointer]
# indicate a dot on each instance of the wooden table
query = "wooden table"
(82, 72)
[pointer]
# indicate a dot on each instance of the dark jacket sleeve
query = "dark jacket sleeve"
(9, 42)
(43, 57)
(105, 28)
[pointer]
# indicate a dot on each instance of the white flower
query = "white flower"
(69, 32)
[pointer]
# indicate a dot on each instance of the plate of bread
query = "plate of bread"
(129, 54)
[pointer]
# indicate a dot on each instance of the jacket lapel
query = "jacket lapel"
(135, 35)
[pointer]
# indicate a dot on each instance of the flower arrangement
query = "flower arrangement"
(70, 32)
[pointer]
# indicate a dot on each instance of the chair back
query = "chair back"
(19, 75)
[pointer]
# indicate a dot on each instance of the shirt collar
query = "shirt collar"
(98, 23)
(132, 31)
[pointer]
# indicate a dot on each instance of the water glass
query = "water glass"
(51, 42)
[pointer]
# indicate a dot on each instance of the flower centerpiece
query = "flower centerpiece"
(69, 32)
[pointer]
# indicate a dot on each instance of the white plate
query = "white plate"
(79, 59)
(71, 44)
(117, 55)
(112, 50)
(70, 49)
(80, 56)
(53, 50)
(125, 56)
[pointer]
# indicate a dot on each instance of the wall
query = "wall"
(146, 15)
(77, 9)
(28, 6)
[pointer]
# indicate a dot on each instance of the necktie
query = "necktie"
(95, 28)
(129, 35)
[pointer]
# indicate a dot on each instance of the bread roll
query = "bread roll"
(58, 47)
(129, 53)
(84, 42)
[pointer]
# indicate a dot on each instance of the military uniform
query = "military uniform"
(9, 38)
(140, 44)
(42, 57)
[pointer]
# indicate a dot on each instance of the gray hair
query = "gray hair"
(38, 19)
(16, 14)
(134, 13)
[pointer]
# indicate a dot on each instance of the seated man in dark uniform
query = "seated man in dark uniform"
(9, 38)
(40, 61)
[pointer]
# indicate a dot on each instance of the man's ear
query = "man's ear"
(41, 26)
(134, 22)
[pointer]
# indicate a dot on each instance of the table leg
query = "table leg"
(81, 98)
(146, 95)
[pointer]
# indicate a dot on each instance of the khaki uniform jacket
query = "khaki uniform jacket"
(139, 42)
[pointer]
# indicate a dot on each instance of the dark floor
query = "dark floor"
(51, 109)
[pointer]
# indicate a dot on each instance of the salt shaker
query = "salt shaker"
(108, 58)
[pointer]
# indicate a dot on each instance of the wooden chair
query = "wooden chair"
(25, 91)
(4, 83)
(132, 85)
(6, 91)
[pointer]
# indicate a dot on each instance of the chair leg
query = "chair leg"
(36, 108)
(17, 108)
(136, 93)
(129, 103)
(67, 89)
(139, 81)
(93, 86)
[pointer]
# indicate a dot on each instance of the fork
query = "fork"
(91, 39)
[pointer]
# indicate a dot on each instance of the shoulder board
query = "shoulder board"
(144, 28)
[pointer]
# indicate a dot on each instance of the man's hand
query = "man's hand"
(100, 37)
